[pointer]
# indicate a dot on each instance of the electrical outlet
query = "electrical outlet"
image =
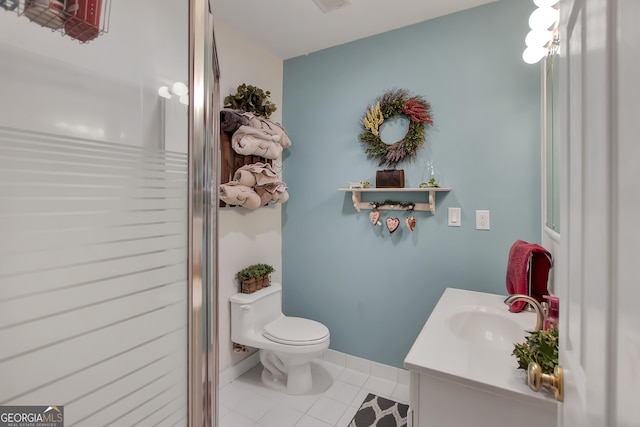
(454, 217)
(482, 220)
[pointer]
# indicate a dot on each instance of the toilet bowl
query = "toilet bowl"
(287, 344)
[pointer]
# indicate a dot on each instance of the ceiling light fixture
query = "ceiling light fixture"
(542, 40)
(330, 5)
(163, 91)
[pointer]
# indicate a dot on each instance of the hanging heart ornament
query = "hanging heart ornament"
(374, 216)
(411, 223)
(393, 224)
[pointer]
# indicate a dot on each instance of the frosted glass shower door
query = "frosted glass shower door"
(93, 301)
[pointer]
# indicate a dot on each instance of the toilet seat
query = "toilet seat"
(295, 331)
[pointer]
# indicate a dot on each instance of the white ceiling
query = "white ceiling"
(290, 28)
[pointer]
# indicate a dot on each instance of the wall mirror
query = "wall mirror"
(551, 142)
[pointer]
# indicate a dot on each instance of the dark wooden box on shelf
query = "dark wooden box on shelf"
(232, 161)
(390, 178)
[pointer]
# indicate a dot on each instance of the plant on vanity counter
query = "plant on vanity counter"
(254, 277)
(540, 347)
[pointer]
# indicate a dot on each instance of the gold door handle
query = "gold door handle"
(537, 379)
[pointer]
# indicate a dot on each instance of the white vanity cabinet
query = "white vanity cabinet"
(462, 370)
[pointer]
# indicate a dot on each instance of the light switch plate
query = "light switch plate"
(455, 217)
(483, 220)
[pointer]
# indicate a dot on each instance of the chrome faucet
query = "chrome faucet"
(540, 312)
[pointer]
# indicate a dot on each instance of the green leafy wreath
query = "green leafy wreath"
(391, 104)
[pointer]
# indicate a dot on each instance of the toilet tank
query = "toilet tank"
(250, 312)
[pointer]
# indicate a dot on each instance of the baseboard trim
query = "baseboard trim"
(231, 374)
(374, 369)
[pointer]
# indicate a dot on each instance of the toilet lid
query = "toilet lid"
(295, 331)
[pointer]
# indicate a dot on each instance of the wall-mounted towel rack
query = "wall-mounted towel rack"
(82, 20)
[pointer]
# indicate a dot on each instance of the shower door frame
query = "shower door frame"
(203, 217)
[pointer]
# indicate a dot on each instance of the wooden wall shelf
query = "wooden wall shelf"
(358, 204)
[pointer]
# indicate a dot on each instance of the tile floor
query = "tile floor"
(334, 399)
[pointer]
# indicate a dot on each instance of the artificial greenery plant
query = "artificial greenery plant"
(251, 99)
(255, 270)
(429, 184)
(540, 347)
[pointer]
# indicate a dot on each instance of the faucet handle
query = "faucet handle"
(545, 308)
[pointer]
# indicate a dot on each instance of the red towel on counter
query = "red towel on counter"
(518, 272)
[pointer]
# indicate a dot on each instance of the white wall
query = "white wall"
(245, 236)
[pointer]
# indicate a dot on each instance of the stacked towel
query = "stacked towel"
(256, 174)
(259, 179)
(275, 192)
(269, 127)
(256, 184)
(235, 193)
(518, 267)
(250, 141)
(231, 120)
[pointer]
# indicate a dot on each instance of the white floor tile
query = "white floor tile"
(233, 419)
(332, 369)
(280, 416)
(347, 416)
(254, 406)
(222, 411)
(401, 394)
(308, 421)
(359, 398)
(335, 397)
(300, 403)
(327, 410)
(354, 377)
(232, 394)
(342, 392)
(380, 386)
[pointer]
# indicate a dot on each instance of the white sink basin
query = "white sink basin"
(464, 349)
(484, 325)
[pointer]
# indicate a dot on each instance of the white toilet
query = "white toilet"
(287, 344)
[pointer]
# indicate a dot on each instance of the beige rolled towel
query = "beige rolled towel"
(255, 174)
(234, 193)
(275, 192)
(272, 128)
(250, 141)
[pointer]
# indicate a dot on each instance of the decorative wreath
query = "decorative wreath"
(389, 105)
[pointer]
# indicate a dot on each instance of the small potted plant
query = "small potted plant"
(251, 99)
(254, 277)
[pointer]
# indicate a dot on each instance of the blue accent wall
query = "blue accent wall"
(375, 290)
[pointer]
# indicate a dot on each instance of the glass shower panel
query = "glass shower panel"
(94, 218)
(93, 278)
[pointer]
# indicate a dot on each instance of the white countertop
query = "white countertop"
(483, 361)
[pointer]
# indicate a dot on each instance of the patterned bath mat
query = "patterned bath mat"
(377, 411)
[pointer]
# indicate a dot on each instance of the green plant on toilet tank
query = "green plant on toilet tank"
(254, 271)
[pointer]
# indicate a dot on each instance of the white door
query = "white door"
(600, 193)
